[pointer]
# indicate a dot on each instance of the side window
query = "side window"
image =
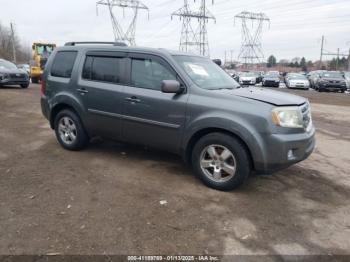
(63, 63)
(148, 73)
(87, 68)
(103, 69)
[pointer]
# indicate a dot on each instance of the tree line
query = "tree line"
(303, 64)
(6, 46)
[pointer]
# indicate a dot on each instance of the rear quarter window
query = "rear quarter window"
(63, 63)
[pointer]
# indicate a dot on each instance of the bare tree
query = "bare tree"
(23, 54)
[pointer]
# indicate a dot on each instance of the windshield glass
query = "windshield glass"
(7, 65)
(272, 75)
(205, 73)
(347, 74)
(299, 77)
(332, 75)
(46, 50)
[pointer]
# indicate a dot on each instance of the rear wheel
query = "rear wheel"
(35, 80)
(69, 130)
(221, 161)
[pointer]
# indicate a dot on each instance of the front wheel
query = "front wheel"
(25, 85)
(69, 130)
(221, 161)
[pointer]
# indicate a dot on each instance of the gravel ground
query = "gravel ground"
(119, 199)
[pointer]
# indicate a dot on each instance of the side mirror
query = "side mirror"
(171, 86)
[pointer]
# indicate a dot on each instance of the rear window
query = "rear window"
(63, 64)
(103, 69)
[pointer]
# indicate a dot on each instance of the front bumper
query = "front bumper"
(14, 82)
(279, 146)
(271, 83)
(332, 87)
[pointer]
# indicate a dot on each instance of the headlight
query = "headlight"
(287, 117)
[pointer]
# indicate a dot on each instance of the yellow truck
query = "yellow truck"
(42, 51)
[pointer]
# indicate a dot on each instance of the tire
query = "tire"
(35, 80)
(67, 122)
(239, 159)
(25, 85)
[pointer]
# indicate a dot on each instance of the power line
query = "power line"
(121, 34)
(251, 48)
(194, 40)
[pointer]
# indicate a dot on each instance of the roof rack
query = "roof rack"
(94, 43)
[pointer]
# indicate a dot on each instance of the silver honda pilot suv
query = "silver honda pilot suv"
(177, 102)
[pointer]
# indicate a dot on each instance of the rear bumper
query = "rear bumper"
(45, 109)
(279, 146)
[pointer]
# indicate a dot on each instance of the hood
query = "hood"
(247, 78)
(272, 78)
(332, 79)
(268, 96)
(298, 81)
(12, 71)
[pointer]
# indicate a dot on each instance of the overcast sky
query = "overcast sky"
(296, 25)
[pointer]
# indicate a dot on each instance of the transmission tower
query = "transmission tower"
(251, 49)
(120, 34)
(194, 39)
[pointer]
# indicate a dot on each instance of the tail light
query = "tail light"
(42, 87)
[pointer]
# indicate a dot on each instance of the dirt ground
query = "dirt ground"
(106, 199)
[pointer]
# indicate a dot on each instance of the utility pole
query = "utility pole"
(196, 39)
(337, 54)
(322, 42)
(14, 56)
(126, 35)
(251, 48)
(337, 64)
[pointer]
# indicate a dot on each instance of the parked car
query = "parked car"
(297, 81)
(248, 78)
(347, 79)
(24, 67)
(271, 79)
(177, 102)
(330, 81)
(11, 75)
(313, 76)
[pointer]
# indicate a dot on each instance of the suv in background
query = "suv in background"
(330, 81)
(177, 102)
(11, 75)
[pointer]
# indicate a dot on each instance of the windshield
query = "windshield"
(332, 75)
(272, 75)
(7, 65)
(206, 74)
(347, 74)
(299, 77)
(44, 49)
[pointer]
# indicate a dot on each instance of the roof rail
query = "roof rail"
(95, 43)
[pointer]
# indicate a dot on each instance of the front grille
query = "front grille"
(306, 113)
(18, 76)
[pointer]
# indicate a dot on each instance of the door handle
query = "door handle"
(82, 90)
(133, 99)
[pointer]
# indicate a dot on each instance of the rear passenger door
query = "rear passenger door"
(152, 117)
(101, 89)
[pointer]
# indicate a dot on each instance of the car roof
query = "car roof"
(104, 47)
